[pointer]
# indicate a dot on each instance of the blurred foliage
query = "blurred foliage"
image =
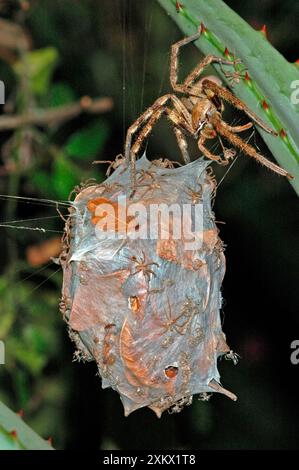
(120, 48)
(38, 66)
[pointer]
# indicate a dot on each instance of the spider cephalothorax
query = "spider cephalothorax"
(198, 114)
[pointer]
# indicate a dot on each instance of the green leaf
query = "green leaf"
(42, 181)
(7, 317)
(88, 142)
(61, 94)
(6, 321)
(26, 355)
(65, 177)
(38, 66)
(36, 338)
(16, 435)
(271, 75)
(58, 183)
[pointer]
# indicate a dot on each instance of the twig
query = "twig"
(13, 36)
(46, 117)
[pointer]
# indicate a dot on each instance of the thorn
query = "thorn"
(264, 31)
(297, 62)
(178, 6)
(247, 77)
(265, 105)
(20, 413)
(203, 29)
(50, 440)
(226, 52)
(217, 387)
(283, 133)
(13, 434)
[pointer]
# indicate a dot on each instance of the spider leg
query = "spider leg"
(182, 143)
(209, 154)
(144, 133)
(175, 118)
(130, 156)
(174, 62)
(208, 60)
(231, 153)
(245, 127)
(223, 129)
(175, 49)
(157, 110)
(153, 263)
(179, 124)
(150, 271)
(228, 96)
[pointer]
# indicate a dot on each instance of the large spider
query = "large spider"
(198, 114)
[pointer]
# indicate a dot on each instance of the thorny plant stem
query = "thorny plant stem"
(13, 427)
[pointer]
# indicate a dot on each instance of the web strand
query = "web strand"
(148, 27)
(38, 201)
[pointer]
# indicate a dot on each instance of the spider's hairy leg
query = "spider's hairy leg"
(208, 154)
(208, 60)
(182, 143)
(144, 133)
(174, 56)
(195, 74)
(224, 93)
(243, 128)
(180, 116)
(174, 64)
(179, 124)
(176, 119)
(142, 120)
(222, 128)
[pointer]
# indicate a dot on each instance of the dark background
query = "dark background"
(104, 45)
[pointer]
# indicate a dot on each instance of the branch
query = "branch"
(13, 36)
(47, 117)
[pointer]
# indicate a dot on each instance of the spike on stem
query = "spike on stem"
(13, 434)
(20, 413)
(283, 133)
(178, 6)
(226, 52)
(265, 105)
(203, 29)
(247, 77)
(264, 31)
